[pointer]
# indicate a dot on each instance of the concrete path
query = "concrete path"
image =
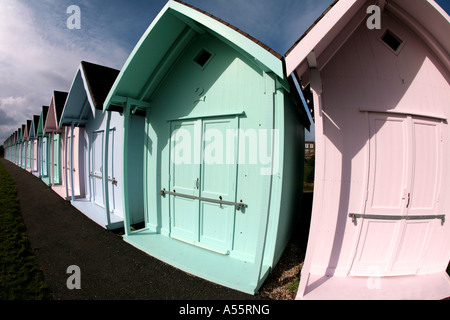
(61, 236)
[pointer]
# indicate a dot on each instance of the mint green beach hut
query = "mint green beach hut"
(222, 152)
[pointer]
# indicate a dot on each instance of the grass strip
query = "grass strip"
(20, 277)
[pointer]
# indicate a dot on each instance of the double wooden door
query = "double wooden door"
(402, 202)
(97, 173)
(203, 166)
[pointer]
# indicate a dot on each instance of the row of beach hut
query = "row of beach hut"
(196, 148)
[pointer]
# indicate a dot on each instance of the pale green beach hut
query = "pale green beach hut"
(222, 151)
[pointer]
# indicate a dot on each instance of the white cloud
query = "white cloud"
(39, 54)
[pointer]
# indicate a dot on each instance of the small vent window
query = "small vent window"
(202, 58)
(392, 40)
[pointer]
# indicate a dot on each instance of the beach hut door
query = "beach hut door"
(67, 163)
(35, 154)
(72, 163)
(401, 209)
(24, 153)
(112, 183)
(203, 168)
(44, 153)
(29, 154)
(56, 159)
(97, 168)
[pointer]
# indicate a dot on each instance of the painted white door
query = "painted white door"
(35, 155)
(111, 172)
(44, 153)
(56, 159)
(404, 170)
(73, 162)
(97, 167)
(184, 174)
(28, 154)
(24, 154)
(218, 181)
(68, 165)
(203, 164)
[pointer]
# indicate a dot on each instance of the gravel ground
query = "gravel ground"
(282, 283)
(57, 245)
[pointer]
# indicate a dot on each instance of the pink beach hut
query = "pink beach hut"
(57, 144)
(378, 80)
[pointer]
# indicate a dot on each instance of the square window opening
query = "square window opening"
(392, 40)
(202, 58)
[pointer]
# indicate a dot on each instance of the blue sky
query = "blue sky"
(39, 54)
(445, 4)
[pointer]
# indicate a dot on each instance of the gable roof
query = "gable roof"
(25, 131)
(32, 131)
(99, 80)
(36, 119)
(90, 86)
(59, 102)
(22, 134)
(42, 118)
(171, 31)
(28, 128)
(426, 17)
(265, 47)
(55, 111)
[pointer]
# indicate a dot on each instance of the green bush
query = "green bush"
(309, 170)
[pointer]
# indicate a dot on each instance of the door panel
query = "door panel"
(424, 191)
(375, 247)
(29, 154)
(388, 164)
(218, 181)
(411, 248)
(111, 172)
(97, 168)
(68, 165)
(216, 226)
(200, 168)
(44, 156)
(24, 154)
(76, 161)
(56, 159)
(404, 178)
(184, 179)
(35, 154)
